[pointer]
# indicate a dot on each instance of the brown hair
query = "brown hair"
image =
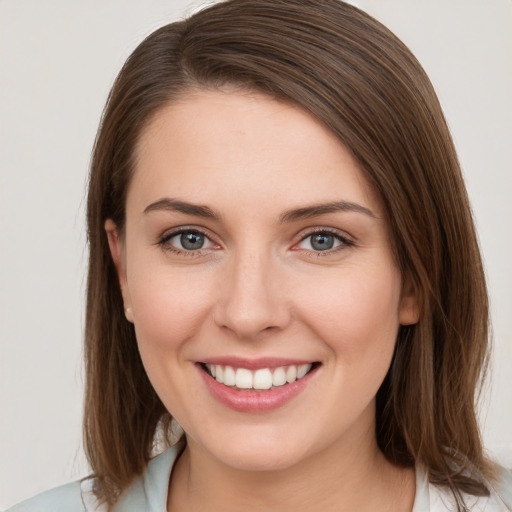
(357, 78)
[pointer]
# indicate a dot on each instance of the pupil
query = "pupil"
(192, 241)
(322, 242)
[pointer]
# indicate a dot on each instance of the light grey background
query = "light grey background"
(57, 61)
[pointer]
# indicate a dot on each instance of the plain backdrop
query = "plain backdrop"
(58, 59)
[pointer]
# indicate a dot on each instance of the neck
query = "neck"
(350, 475)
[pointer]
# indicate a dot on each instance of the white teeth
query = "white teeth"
(302, 370)
(291, 374)
(243, 378)
(261, 379)
(279, 377)
(229, 376)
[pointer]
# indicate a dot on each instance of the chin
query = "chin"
(253, 449)
(259, 460)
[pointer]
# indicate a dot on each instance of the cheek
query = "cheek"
(355, 314)
(168, 306)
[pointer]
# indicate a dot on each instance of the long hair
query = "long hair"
(362, 83)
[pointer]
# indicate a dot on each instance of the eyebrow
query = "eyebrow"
(307, 212)
(175, 205)
(324, 208)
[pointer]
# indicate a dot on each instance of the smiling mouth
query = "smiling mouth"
(262, 379)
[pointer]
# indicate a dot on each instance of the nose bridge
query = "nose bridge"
(252, 301)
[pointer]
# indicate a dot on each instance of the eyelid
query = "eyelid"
(163, 240)
(345, 239)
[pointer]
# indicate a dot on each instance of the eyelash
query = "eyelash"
(344, 242)
(164, 242)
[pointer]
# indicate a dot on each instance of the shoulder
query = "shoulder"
(147, 491)
(432, 498)
(503, 486)
(66, 498)
(499, 499)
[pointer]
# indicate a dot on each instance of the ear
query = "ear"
(409, 313)
(116, 246)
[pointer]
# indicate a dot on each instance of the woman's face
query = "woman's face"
(255, 250)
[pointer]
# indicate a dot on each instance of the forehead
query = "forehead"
(216, 143)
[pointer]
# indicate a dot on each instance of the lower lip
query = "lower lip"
(255, 401)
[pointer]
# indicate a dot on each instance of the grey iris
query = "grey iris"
(192, 241)
(322, 242)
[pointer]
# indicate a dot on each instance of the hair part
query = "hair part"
(359, 80)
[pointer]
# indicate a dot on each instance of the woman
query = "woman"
(283, 262)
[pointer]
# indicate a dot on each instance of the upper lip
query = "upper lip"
(254, 364)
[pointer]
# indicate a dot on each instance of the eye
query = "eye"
(320, 241)
(188, 240)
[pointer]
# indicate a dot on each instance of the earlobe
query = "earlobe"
(409, 304)
(115, 244)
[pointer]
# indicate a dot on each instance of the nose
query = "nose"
(253, 297)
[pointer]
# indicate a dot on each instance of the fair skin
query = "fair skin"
(257, 279)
